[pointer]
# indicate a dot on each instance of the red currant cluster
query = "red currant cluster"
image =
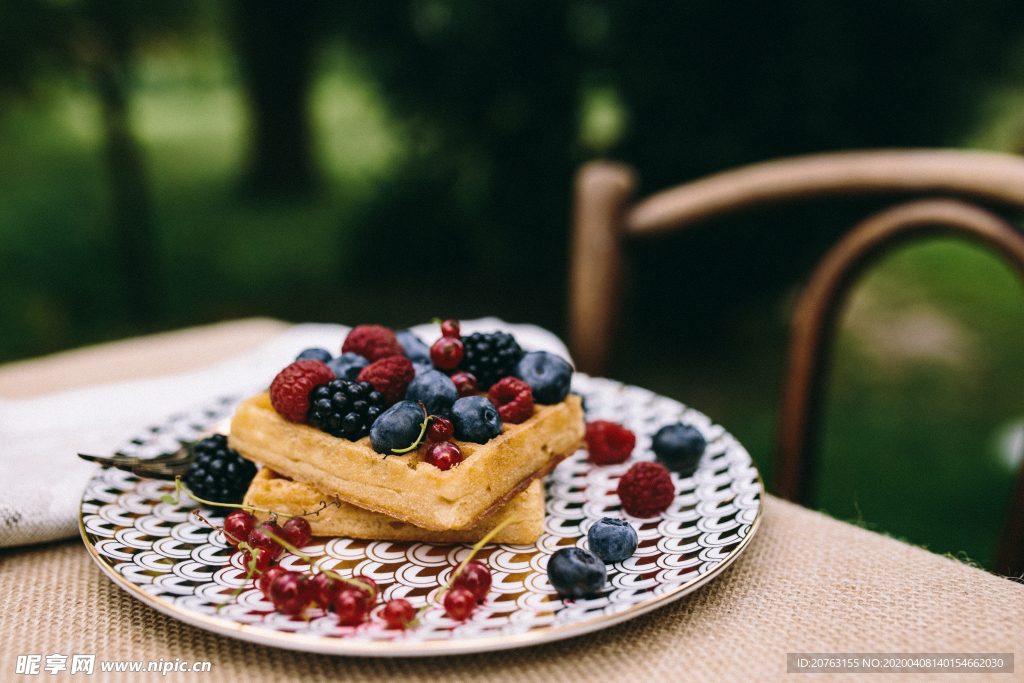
(290, 591)
(446, 353)
(352, 599)
(259, 541)
(442, 453)
(469, 587)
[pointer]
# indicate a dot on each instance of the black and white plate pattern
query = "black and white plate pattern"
(165, 557)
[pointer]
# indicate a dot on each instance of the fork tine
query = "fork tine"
(180, 458)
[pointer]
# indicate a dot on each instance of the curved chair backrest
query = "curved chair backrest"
(604, 217)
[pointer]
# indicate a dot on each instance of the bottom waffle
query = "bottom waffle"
(272, 491)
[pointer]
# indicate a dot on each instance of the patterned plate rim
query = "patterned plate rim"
(333, 645)
(396, 648)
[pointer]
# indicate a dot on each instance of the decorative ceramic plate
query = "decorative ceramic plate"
(165, 557)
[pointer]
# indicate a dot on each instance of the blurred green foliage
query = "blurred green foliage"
(388, 162)
(474, 118)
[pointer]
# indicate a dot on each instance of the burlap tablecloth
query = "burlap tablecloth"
(806, 583)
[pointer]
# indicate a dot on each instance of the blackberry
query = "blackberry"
(344, 409)
(490, 357)
(218, 473)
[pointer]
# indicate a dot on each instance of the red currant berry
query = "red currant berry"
(296, 531)
(259, 537)
(476, 578)
(440, 430)
(237, 526)
(325, 589)
(351, 606)
(268, 576)
(450, 328)
(290, 592)
(446, 353)
(262, 557)
(459, 603)
(466, 384)
(443, 456)
(371, 591)
(398, 613)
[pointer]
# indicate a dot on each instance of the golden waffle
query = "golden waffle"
(274, 492)
(405, 487)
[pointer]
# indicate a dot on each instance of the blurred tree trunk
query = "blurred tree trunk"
(109, 60)
(274, 42)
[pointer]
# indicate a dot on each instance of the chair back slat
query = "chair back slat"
(815, 322)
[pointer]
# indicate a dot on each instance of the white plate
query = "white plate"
(163, 556)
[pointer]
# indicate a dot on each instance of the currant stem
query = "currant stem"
(329, 572)
(423, 432)
(249, 574)
(179, 488)
(458, 570)
(244, 546)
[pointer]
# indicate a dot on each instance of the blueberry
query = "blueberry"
(420, 368)
(397, 427)
(679, 447)
(414, 348)
(613, 540)
(547, 374)
(322, 355)
(435, 389)
(576, 573)
(347, 366)
(475, 419)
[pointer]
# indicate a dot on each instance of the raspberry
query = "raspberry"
(372, 342)
(646, 490)
(609, 443)
(289, 392)
(513, 398)
(390, 376)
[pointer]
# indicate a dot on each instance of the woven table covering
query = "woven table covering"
(806, 583)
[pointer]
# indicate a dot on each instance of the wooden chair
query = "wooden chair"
(605, 215)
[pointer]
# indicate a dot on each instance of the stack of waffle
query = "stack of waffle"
(363, 494)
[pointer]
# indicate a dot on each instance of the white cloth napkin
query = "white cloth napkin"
(43, 479)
